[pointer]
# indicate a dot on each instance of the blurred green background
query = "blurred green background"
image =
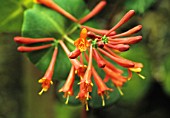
(149, 98)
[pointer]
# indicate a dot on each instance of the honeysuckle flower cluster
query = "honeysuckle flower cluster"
(92, 44)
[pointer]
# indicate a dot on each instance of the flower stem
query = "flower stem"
(68, 39)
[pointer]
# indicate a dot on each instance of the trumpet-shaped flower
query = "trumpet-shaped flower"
(47, 79)
(82, 43)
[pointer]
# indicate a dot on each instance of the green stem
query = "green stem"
(74, 28)
(68, 39)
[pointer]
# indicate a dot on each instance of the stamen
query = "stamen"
(103, 101)
(51, 82)
(41, 80)
(129, 78)
(87, 107)
(79, 83)
(67, 99)
(120, 91)
(141, 76)
(42, 90)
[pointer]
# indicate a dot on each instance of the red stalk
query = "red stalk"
(29, 49)
(125, 18)
(96, 10)
(25, 40)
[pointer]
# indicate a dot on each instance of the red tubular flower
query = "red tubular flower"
(102, 88)
(68, 86)
(125, 18)
(96, 10)
(100, 62)
(87, 75)
(129, 74)
(25, 40)
(83, 94)
(99, 31)
(117, 79)
(92, 35)
(114, 75)
(47, 79)
(137, 68)
(52, 5)
(82, 43)
(128, 40)
(110, 51)
(121, 61)
(119, 47)
(100, 44)
(74, 54)
(79, 67)
(35, 48)
(105, 41)
(129, 32)
(111, 66)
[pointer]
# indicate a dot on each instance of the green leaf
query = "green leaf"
(11, 16)
(140, 6)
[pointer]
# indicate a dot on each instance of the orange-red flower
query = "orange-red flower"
(47, 79)
(105, 42)
(102, 88)
(82, 43)
(87, 76)
(68, 86)
(26, 40)
(83, 94)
